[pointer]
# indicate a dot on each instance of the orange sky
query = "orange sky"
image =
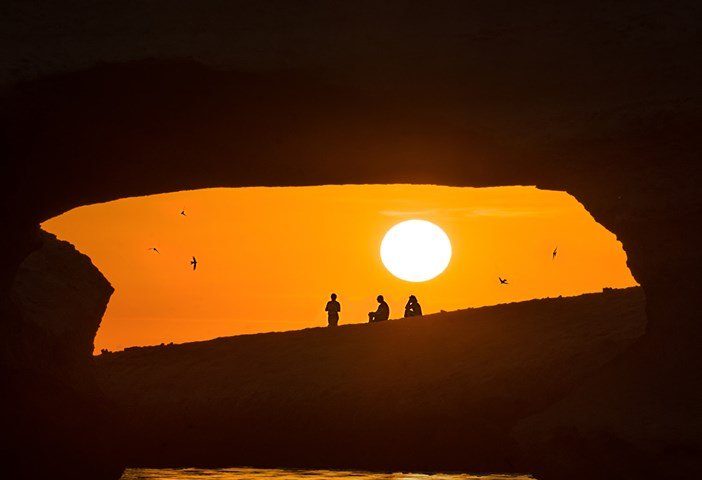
(269, 257)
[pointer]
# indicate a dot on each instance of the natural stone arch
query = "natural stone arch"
(148, 128)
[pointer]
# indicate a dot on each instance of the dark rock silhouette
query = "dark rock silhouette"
(61, 298)
(59, 291)
(601, 101)
(472, 377)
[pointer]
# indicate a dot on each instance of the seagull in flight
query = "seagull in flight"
(193, 262)
(503, 281)
(555, 252)
(182, 212)
(154, 249)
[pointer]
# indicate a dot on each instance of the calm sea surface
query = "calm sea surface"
(261, 474)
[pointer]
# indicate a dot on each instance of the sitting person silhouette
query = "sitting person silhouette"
(382, 313)
(333, 308)
(413, 308)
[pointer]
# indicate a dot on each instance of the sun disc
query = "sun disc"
(415, 250)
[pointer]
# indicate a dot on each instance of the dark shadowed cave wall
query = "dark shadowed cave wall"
(600, 101)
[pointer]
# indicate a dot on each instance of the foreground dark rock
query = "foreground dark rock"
(442, 392)
(602, 101)
(60, 292)
(60, 297)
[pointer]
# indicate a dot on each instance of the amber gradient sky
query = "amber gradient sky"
(269, 257)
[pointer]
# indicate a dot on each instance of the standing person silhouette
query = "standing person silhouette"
(382, 313)
(333, 308)
(413, 308)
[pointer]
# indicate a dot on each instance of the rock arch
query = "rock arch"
(601, 102)
(142, 128)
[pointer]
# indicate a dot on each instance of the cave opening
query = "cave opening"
(268, 258)
(613, 124)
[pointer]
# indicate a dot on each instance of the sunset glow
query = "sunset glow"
(268, 258)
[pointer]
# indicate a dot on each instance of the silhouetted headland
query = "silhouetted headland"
(368, 396)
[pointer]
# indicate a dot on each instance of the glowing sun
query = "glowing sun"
(415, 250)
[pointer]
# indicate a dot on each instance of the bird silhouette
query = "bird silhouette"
(503, 281)
(555, 252)
(182, 212)
(193, 262)
(154, 249)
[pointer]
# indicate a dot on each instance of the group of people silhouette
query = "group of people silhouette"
(382, 313)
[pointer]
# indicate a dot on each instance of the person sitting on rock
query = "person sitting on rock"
(382, 313)
(413, 308)
(333, 308)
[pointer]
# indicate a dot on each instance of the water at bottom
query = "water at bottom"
(262, 474)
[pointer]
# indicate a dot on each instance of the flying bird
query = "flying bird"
(555, 252)
(182, 212)
(193, 262)
(503, 281)
(154, 249)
